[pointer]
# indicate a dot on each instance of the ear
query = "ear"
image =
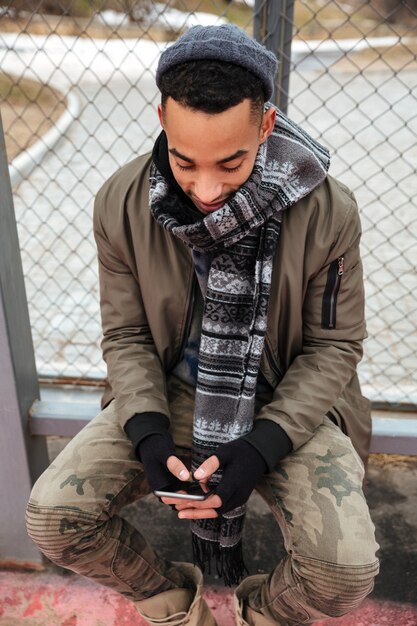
(160, 115)
(268, 122)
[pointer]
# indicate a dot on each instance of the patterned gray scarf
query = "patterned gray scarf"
(242, 237)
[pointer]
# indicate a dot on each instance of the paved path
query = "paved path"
(367, 120)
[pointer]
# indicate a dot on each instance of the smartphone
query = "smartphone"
(194, 491)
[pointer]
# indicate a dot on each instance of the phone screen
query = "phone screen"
(193, 491)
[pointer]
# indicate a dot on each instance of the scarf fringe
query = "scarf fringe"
(229, 562)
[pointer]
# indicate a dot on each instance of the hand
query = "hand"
(157, 453)
(199, 509)
(242, 467)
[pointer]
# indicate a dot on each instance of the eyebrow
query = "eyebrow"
(232, 157)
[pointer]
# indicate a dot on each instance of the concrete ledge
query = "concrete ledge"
(391, 433)
(63, 419)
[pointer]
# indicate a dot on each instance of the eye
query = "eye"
(232, 169)
(184, 168)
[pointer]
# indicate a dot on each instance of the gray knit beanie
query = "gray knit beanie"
(222, 43)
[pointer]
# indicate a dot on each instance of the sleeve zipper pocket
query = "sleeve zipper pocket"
(334, 278)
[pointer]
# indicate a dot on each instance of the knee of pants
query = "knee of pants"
(334, 590)
(62, 534)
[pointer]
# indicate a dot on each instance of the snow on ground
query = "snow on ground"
(65, 61)
(159, 14)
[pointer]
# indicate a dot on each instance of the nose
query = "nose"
(207, 189)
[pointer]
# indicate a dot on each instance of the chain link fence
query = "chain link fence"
(89, 67)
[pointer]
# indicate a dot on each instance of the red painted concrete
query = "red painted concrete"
(44, 599)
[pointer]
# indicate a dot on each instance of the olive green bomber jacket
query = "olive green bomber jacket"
(315, 326)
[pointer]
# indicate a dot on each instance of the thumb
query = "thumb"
(207, 468)
(177, 468)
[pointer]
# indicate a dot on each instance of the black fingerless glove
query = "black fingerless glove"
(153, 444)
(154, 453)
(246, 459)
(270, 440)
(242, 467)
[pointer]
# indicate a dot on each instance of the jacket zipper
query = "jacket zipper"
(334, 278)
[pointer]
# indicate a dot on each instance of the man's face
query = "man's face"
(212, 155)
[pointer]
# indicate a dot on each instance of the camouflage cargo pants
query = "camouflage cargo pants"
(315, 495)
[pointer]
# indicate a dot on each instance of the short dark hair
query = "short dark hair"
(212, 86)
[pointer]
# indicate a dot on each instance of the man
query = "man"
(232, 309)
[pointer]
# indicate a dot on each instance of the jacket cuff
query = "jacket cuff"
(270, 440)
(141, 425)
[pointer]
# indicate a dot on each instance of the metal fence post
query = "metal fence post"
(272, 27)
(22, 457)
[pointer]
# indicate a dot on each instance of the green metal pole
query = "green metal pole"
(272, 27)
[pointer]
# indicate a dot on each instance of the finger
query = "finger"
(213, 502)
(207, 468)
(177, 468)
(198, 514)
(180, 502)
(184, 504)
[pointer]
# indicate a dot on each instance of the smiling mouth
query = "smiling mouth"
(213, 206)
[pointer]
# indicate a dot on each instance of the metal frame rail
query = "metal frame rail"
(22, 457)
(392, 432)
